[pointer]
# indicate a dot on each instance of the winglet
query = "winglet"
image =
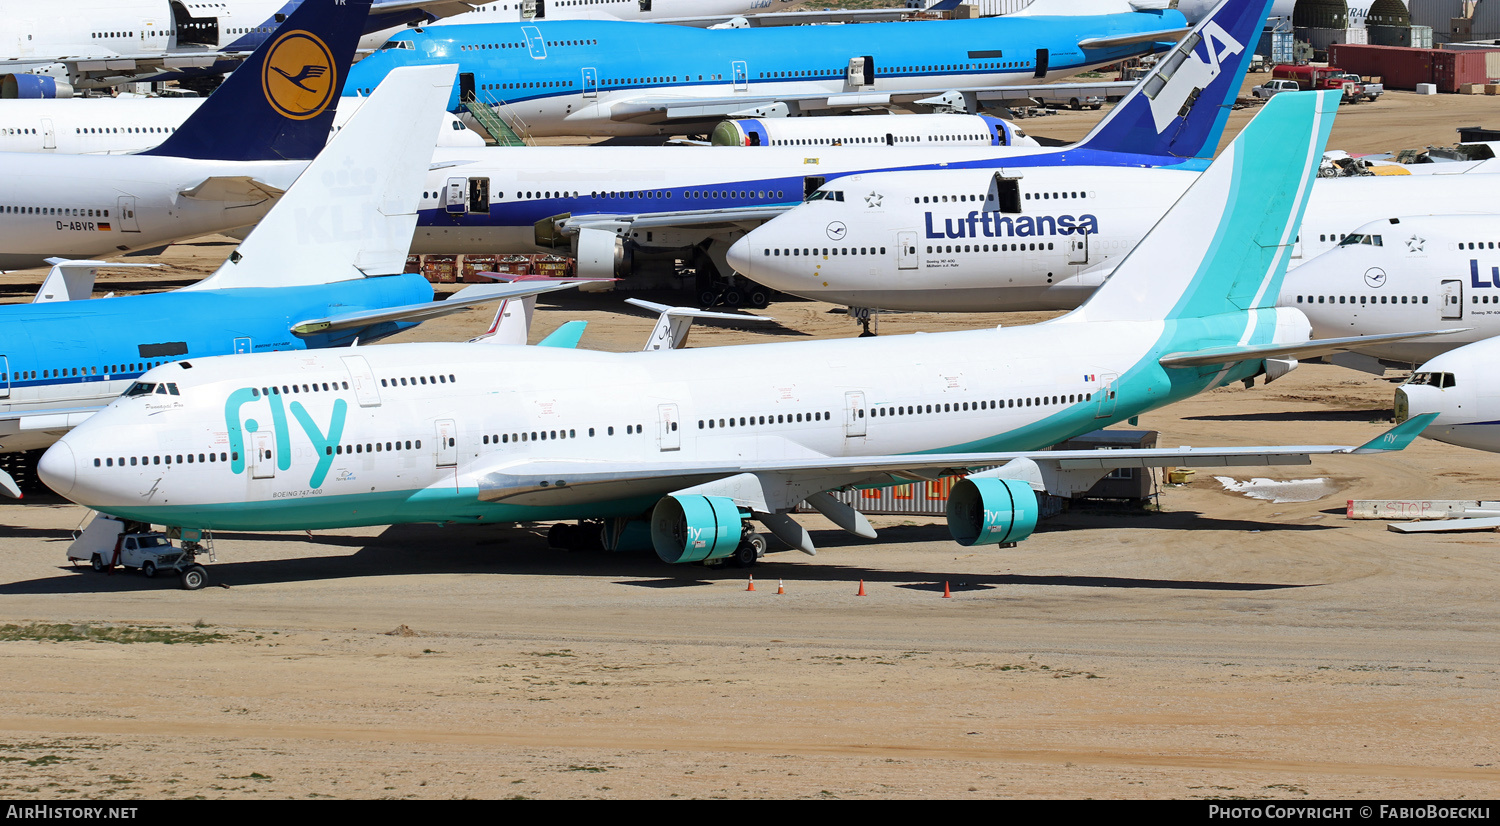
(279, 103)
(1180, 108)
(1398, 437)
(567, 336)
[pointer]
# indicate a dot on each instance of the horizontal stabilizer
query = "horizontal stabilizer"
(233, 189)
(1303, 350)
(465, 299)
(1069, 8)
(674, 323)
(72, 280)
(1162, 35)
(567, 336)
(351, 214)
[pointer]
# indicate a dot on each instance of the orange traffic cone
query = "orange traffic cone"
(946, 593)
(780, 587)
(752, 584)
(861, 588)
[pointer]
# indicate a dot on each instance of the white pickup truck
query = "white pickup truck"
(108, 541)
(1368, 91)
(1270, 88)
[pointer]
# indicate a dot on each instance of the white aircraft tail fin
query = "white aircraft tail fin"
(512, 322)
(73, 280)
(352, 212)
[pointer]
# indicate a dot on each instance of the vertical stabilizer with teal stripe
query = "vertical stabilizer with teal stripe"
(1239, 222)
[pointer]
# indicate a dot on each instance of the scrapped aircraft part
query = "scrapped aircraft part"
(695, 528)
(1281, 491)
(600, 254)
(985, 511)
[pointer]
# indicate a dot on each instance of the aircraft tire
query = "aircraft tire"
(195, 577)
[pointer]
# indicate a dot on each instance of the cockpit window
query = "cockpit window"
(1356, 238)
(826, 195)
(1441, 381)
(147, 388)
(396, 44)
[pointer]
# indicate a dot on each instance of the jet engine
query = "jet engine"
(32, 87)
(600, 254)
(696, 528)
(987, 511)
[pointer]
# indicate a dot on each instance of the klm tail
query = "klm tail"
(1179, 110)
(352, 213)
(1224, 246)
(279, 103)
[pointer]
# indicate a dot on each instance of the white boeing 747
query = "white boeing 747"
(698, 442)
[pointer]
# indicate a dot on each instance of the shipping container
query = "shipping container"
(1401, 68)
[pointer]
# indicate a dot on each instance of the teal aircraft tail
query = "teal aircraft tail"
(1239, 220)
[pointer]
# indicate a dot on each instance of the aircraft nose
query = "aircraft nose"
(58, 468)
(740, 259)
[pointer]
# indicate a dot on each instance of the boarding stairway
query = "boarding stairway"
(500, 132)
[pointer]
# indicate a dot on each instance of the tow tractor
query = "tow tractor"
(108, 541)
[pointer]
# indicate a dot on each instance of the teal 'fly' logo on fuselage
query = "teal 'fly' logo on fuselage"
(322, 442)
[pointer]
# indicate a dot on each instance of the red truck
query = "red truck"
(1310, 78)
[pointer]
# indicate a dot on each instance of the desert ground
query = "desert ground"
(1214, 647)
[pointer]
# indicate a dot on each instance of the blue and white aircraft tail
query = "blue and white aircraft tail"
(1181, 108)
(279, 104)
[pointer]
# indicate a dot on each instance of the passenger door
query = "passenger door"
(854, 414)
(906, 250)
(1078, 247)
(447, 443)
(1452, 296)
(4, 377)
(741, 71)
(590, 82)
(262, 455)
(1105, 396)
(534, 40)
(668, 436)
(126, 208)
(362, 379)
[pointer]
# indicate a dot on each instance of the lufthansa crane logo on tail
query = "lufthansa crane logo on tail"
(299, 77)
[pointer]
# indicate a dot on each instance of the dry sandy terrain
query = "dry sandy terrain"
(1223, 647)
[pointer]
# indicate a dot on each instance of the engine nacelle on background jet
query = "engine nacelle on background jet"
(600, 254)
(991, 511)
(695, 528)
(33, 87)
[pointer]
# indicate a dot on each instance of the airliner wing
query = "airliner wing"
(55, 420)
(1164, 35)
(727, 217)
(1213, 356)
(232, 189)
(771, 486)
(436, 8)
(465, 299)
(666, 108)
